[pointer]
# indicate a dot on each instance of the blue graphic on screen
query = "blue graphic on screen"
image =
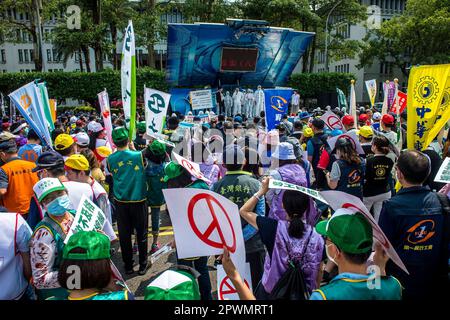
(195, 55)
(180, 101)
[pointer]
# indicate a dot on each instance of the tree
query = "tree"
(209, 10)
(418, 36)
(10, 27)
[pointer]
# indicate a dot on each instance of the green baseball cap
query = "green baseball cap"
(96, 245)
(172, 170)
(141, 127)
(350, 231)
(173, 285)
(119, 134)
(157, 148)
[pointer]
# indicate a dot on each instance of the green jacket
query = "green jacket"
(127, 170)
(351, 286)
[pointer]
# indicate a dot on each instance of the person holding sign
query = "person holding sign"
(178, 177)
(349, 240)
(47, 241)
(90, 253)
(130, 195)
(289, 240)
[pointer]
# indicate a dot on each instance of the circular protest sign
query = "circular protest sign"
(191, 169)
(205, 236)
(349, 138)
(334, 122)
(226, 287)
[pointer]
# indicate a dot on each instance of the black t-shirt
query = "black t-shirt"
(378, 172)
(436, 163)
(267, 230)
(367, 150)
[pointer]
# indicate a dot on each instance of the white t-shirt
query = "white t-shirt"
(15, 235)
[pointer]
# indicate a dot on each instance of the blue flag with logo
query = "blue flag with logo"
(276, 105)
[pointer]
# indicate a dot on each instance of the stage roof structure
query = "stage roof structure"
(244, 52)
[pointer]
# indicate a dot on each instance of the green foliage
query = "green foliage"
(81, 85)
(418, 36)
(313, 84)
(209, 10)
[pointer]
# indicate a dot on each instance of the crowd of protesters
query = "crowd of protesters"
(41, 188)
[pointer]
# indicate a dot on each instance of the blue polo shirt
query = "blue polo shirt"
(413, 222)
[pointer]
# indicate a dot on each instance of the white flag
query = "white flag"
(156, 104)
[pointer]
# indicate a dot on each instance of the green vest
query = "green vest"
(358, 289)
(59, 236)
(127, 169)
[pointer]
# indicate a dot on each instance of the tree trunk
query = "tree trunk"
(97, 19)
(313, 52)
(115, 60)
(87, 58)
(80, 56)
(36, 48)
(305, 61)
(151, 56)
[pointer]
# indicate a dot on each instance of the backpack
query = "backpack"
(292, 284)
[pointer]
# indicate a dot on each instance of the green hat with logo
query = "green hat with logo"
(157, 148)
(95, 244)
(173, 285)
(172, 170)
(141, 127)
(119, 134)
(350, 231)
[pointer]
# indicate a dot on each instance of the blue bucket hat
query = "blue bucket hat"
(285, 151)
(304, 115)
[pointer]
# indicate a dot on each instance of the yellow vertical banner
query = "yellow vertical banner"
(426, 109)
(52, 103)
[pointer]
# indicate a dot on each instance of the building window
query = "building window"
(31, 55)
(55, 56)
(20, 56)
(49, 55)
(25, 52)
(3, 55)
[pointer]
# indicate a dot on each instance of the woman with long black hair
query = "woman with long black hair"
(290, 240)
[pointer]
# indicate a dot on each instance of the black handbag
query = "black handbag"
(292, 284)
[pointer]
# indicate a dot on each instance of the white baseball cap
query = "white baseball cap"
(94, 126)
(46, 186)
(376, 116)
(73, 119)
(81, 139)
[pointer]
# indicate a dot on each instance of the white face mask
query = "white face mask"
(328, 255)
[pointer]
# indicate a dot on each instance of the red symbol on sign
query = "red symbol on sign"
(204, 236)
(334, 122)
(384, 241)
(191, 169)
(349, 138)
(229, 287)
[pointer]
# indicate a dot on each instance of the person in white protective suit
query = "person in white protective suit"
(238, 98)
(250, 104)
(259, 100)
(228, 100)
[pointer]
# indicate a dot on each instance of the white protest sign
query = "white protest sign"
(158, 254)
(352, 136)
(332, 120)
(156, 104)
(339, 199)
(103, 100)
(204, 222)
(192, 167)
(225, 288)
(443, 175)
(89, 217)
(201, 99)
(278, 184)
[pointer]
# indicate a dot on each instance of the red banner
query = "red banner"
(402, 97)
